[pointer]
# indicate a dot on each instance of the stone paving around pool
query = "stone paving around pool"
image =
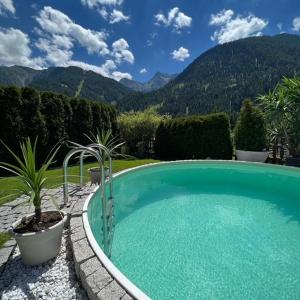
(76, 273)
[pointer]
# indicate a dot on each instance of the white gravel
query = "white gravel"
(55, 279)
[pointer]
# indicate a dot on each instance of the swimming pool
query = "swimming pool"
(206, 229)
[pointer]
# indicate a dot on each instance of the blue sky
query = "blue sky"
(132, 38)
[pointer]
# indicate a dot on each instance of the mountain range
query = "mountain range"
(71, 81)
(218, 80)
(156, 82)
(222, 77)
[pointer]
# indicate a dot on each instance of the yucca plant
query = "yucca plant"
(32, 178)
(282, 109)
(106, 138)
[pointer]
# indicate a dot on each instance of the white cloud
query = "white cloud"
(175, 18)
(7, 6)
(232, 29)
(296, 24)
(121, 52)
(279, 26)
(143, 71)
(58, 35)
(182, 20)
(103, 13)
(95, 3)
(181, 54)
(117, 75)
(57, 51)
(221, 18)
(113, 16)
(105, 69)
(117, 16)
(20, 55)
(53, 21)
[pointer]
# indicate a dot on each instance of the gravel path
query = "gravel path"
(55, 279)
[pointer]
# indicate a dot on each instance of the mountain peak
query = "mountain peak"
(156, 82)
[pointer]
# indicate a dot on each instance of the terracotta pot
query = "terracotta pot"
(252, 156)
(39, 247)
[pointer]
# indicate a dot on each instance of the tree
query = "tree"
(82, 120)
(138, 127)
(250, 129)
(34, 124)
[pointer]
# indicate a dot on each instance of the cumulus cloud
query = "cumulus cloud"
(222, 17)
(58, 36)
(234, 28)
(117, 75)
(121, 52)
(95, 3)
(175, 18)
(116, 16)
(296, 24)
(113, 16)
(104, 13)
(143, 71)
(105, 69)
(7, 6)
(20, 55)
(53, 21)
(181, 54)
(57, 49)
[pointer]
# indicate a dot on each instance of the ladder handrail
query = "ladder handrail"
(100, 147)
(90, 149)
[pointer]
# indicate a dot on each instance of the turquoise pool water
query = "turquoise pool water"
(208, 230)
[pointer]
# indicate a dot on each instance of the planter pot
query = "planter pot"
(293, 161)
(252, 156)
(95, 175)
(39, 247)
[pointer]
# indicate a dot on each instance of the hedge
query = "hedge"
(52, 117)
(195, 137)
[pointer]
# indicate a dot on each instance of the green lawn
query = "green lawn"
(55, 176)
(4, 237)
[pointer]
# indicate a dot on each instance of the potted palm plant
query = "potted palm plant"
(250, 134)
(282, 109)
(111, 143)
(38, 235)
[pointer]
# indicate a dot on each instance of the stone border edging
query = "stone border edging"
(5, 253)
(95, 279)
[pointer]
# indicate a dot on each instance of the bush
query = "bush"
(138, 128)
(195, 137)
(250, 130)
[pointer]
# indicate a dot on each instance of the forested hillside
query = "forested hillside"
(221, 78)
(71, 81)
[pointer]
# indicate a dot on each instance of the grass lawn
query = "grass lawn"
(55, 176)
(4, 237)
